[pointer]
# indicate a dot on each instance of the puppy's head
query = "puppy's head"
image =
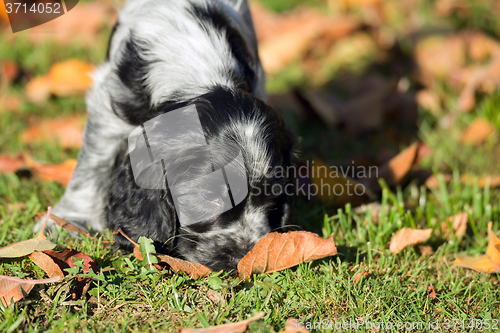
(244, 134)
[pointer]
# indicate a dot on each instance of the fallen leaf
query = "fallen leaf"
(9, 103)
(277, 251)
(428, 99)
(433, 182)
(45, 262)
(487, 263)
(458, 223)
(333, 188)
(216, 297)
(21, 249)
(65, 259)
(238, 327)
(81, 25)
(68, 131)
(68, 226)
(8, 72)
(60, 173)
(492, 181)
(11, 164)
(426, 250)
(358, 276)
(17, 289)
(297, 35)
(71, 77)
(478, 132)
(195, 271)
(431, 291)
(291, 326)
(480, 46)
(394, 171)
(408, 236)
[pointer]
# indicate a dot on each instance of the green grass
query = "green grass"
(395, 289)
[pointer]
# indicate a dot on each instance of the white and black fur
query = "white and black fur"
(162, 55)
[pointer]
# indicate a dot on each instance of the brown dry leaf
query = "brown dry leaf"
(438, 57)
(333, 188)
(296, 34)
(68, 226)
(481, 47)
(358, 276)
(428, 99)
(493, 180)
(71, 77)
(432, 291)
(65, 259)
(45, 262)
(277, 251)
(8, 72)
(216, 297)
(478, 132)
(68, 131)
(60, 173)
(17, 289)
(487, 263)
(21, 249)
(11, 164)
(195, 271)
(238, 327)
(80, 25)
(426, 250)
(408, 236)
(292, 326)
(458, 223)
(394, 171)
(433, 182)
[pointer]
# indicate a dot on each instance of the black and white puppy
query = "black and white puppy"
(163, 55)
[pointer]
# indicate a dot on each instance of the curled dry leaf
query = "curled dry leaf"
(493, 181)
(63, 79)
(408, 236)
(277, 251)
(15, 289)
(478, 132)
(65, 259)
(458, 223)
(45, 262)
(68, 226)
(216, 297)
(358, 276)
(487, 263)
(238, 327)
(21, 249)
(431, 291)
(68, 131)
(60, 173)
(195, 271)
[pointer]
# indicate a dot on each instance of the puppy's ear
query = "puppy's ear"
(140, 212)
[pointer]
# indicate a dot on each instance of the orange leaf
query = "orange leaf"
(194, 271)
(67, 131)
(458, 223)
(493, 181)
(45, 262)
(17, 289)
(238, 327)
(478, 132)
(10, 164)
(432, 291)
(408, 236)
(489, 262)
(398, 167)
(60, 173)
(332, 187)
(21, 249)
(277, 251)
(71, 77)
(68, 226)
(4, 18)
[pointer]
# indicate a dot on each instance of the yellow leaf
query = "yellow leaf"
(489, 262)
